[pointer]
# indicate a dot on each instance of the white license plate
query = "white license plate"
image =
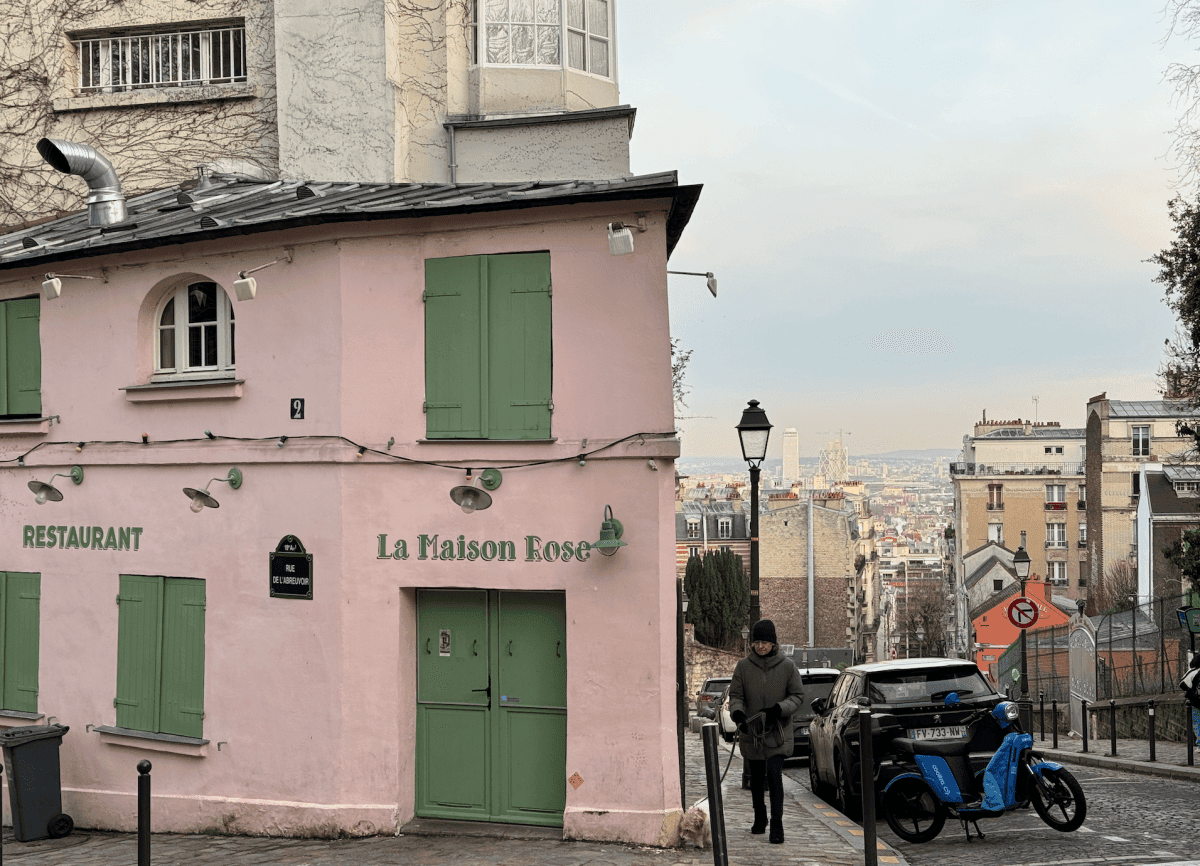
(946, 732)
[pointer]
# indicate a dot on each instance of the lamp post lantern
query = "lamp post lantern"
(753, 431)
(1021, 563)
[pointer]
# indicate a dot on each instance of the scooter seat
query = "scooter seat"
(941, 748)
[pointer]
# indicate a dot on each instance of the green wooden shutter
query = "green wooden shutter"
(519, 339)
(21, 392)
(182, 703)
(139, 639)
(453, 336)
(22, 594)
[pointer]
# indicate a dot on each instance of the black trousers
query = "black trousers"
(767, 774)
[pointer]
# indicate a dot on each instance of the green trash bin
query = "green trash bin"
(34, 789)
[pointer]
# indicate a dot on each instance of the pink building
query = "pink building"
(339, 647)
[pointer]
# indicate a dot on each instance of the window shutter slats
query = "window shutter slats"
(453, 322)
(21, 641)
(139, 637)
(519, 366)
(183, 658)
(22, 358)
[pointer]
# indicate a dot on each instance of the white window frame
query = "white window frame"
(162, 57)
(1056, 535)
(1139, 435)
(996, 532)
(693, 527)
(724, 527)
(590, 32)
(1056, 494)
(1083, 535)
(1056, 573)
(179, 367)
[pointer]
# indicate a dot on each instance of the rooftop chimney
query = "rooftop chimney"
(105, 201)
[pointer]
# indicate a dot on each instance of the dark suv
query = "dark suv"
(907, 699)
(818, 683)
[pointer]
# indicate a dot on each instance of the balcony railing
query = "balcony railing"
(979, 469)
(1056, 544)
(995, 506)
(1056, 506)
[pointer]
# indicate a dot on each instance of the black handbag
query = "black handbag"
(763, 734)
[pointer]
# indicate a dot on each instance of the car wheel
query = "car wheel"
(814, 777)
(847, 803)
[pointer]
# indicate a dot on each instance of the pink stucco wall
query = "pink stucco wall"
(310, 705)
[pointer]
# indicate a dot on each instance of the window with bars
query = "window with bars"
(180, 58)
(534, 33)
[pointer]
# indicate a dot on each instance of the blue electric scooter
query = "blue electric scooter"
(941, 782)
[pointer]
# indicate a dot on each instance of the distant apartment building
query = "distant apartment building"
(791, 456)
(1168, 507)
(1022, 476)
(1122, 436)
(702, 525)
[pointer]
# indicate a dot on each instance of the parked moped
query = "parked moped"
(941, 783)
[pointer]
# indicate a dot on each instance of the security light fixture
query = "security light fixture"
(620, 239)
(47, 492)
(611, 531)
(52, 287)
(712, 281)
(201, 498)
(470, 497)
(245, 285)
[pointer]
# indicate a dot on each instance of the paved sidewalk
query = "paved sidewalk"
(817, 835)
(1170, 759)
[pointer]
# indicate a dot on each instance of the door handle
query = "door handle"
(558, 648)
(474, 643)
(510, 647)
(427, 640)
(488, 690)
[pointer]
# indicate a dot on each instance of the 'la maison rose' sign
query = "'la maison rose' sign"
(460, 548)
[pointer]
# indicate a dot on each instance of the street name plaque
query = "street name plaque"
(291, 570)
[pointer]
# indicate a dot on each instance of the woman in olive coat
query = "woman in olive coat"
(769, 683)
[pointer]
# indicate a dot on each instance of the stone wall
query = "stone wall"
(701, 662)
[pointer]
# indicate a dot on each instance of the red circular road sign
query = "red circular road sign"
(1022, 612)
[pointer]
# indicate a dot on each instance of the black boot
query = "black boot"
(760, 810)
(776, 837)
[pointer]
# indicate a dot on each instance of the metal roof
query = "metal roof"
(234, 205)
(1036, 433)
(1151, 408)
(1176, 472)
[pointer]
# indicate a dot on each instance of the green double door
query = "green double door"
(491, 706)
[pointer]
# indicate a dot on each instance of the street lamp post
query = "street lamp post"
(1021, 563)
(754, 430)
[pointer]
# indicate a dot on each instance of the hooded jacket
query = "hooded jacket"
(760, 682)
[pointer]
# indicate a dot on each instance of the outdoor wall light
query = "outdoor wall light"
(52, 287)
(245, 285)
(201, 499)
(469, 497)
(611, 531)
(45, 491)
(620, 236)
(712, 281)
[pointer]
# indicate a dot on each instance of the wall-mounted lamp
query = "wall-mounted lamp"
(47, 492)
(712, 281)
(245, 285)
(469, 497)
(52, 287)
(620, 236)
(611, 531)
(201, 499)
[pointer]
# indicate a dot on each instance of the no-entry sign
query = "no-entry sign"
(1022, 612)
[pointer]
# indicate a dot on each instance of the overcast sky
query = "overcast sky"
(917, 211)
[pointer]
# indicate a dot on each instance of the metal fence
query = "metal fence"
(1141, 651)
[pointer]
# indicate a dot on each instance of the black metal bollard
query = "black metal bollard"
(1042, 712)
(716, 811)
(1152, 729)
(867, 759)
(1054, 712)
(1191, 734)
(1112, 726)
(1083, 702)
(143, 769)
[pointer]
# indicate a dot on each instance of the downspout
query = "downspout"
(812, 582)
(105, 201)
(453, 157)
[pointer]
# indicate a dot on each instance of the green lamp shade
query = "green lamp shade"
(611, 531)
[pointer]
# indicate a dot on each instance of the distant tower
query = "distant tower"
(835, 462)
(791, 456)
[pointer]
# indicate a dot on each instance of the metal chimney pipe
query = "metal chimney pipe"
(105, 201)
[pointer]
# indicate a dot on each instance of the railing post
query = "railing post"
(1152, 729)
(867, 762)
(1112, 726)
(1054, 712)
(1189, 720)
(1042, 713)
(143, 769)
(716, 811)
(1083, 702)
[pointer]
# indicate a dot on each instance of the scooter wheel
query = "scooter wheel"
(1058, 799)
(912, 810)
(59, 826)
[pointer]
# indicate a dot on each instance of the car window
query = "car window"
(818, 685)
(839, 690)
(923, 686)
(854, 688)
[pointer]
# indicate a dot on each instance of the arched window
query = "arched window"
(193, 333)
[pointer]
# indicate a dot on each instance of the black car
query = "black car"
(818, 683)
(907, 699)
